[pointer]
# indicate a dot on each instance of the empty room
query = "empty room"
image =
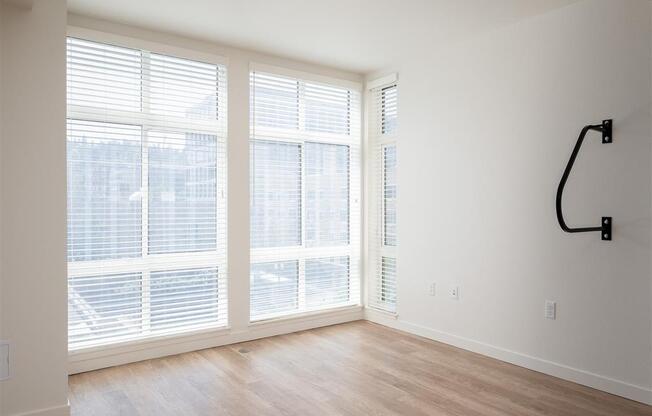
(342, 207)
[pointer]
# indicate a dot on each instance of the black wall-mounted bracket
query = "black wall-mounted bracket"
(605, 224)
(606, 131)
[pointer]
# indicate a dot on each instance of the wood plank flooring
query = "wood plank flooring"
(357, 368)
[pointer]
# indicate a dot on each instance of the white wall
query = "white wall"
(33, 217)
(486, 128)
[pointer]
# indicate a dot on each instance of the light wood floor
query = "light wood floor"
(351, 369)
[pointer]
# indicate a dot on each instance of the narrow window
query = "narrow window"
(383, 106)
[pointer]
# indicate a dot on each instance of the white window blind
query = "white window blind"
(383, 116)
(146, 194)
(305, 195)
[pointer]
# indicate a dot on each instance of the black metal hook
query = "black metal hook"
(605, 224)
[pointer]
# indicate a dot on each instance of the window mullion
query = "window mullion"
(220, 212)
(301, 261)
(146, 284)
(302, 283)
(301, 103)
(383, 193)
(302, 268)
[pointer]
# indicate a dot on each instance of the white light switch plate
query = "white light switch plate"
(4, 360)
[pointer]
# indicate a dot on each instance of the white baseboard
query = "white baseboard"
(63, 410)
(79, 362)
(586, 378)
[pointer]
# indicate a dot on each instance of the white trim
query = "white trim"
(63, 410)
(147, 120)
(620, 388)
(375, 314)
(135, 43)
(378, 82)
(304, 76)
(138, 343)
(364, 193)
(154, 348)
(305, 315)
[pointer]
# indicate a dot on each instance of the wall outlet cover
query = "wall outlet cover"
(454, 292)
(4, 360)
(550, 310)
(433, 289)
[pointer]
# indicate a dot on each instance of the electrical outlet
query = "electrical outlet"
(454, 292)
(433, 289)
(4, 360)
(550, 310)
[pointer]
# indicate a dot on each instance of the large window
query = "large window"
(305, 195)
(383, 116)
(146, 202)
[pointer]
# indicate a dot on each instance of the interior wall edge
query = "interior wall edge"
(33, 212)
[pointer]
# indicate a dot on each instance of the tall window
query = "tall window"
(305, 195)
(146, 203)
(383, 116)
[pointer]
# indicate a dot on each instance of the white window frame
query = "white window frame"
(386, 251)
(376, 143)
(302, 253)
(148, 263)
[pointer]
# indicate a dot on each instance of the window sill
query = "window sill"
(306, 316)
(95, 358)
(149, 341)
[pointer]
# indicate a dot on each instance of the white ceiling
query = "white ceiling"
(357, 35)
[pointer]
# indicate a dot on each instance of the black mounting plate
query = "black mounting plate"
(607, 130)
(606, 228)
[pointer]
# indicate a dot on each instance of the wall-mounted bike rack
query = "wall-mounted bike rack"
(605, 224)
